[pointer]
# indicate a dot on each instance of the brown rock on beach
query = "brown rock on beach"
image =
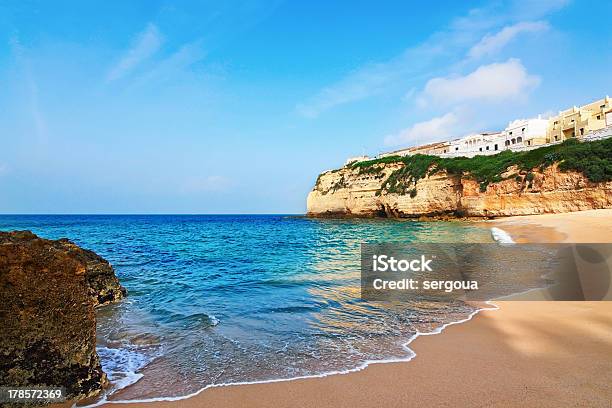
(48, 294)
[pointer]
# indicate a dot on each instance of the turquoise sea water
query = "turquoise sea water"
(225, 299)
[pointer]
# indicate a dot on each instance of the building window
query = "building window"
(556, 138)
(529, 143)
(598, 117)
(581, 131)
(519, 139)
(511, 133)
(523, 130)
(513, 141)
(507, 143)
(456, 148)
(495, 146)
(487, 147)
(480, 149)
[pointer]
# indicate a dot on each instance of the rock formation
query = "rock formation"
(103, 285)
(350, 191)
(48, 292)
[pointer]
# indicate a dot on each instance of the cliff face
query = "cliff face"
(48, 292)
(351, 192)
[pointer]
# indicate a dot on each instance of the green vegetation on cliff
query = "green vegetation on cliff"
(593, 159)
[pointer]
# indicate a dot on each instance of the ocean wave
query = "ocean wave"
(501, 236)
(121, 366)
(191, 321)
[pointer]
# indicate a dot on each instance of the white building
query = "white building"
(477, 144)
(517, 135)
(527, 132)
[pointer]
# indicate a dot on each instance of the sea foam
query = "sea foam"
(122, 366)
(501, 236)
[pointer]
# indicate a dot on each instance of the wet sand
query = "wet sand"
(544, 354)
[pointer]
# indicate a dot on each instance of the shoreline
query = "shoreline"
(282, 391)
(432, 379)
(365, 365)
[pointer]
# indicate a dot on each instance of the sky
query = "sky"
(236, 106)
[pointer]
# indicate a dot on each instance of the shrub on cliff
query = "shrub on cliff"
(593, 159)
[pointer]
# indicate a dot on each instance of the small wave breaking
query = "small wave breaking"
(122, 365)
(501, 236)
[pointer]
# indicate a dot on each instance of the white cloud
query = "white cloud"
(360, 84)
(492, 43)
(436, 129)
(496, 83)
(442, 49)
(145, 45)
(493, 83)
(411, 65)
(185, 56)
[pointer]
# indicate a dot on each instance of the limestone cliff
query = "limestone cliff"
(351, 191)
(48, 292)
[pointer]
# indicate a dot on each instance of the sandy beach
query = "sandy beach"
(540, 354)
(584, 226)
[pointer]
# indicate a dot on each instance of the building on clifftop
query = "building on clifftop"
(578, 121)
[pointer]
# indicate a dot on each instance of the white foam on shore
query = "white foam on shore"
(365, 364)
(501, 236)
(121, 366)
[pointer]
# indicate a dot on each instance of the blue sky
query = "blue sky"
(237, 106)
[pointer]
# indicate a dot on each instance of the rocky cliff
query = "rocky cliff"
(48, 292)
(388, 189)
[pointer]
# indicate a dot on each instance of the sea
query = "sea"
(229, 299)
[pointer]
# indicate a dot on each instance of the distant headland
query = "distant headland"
(534, 166)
